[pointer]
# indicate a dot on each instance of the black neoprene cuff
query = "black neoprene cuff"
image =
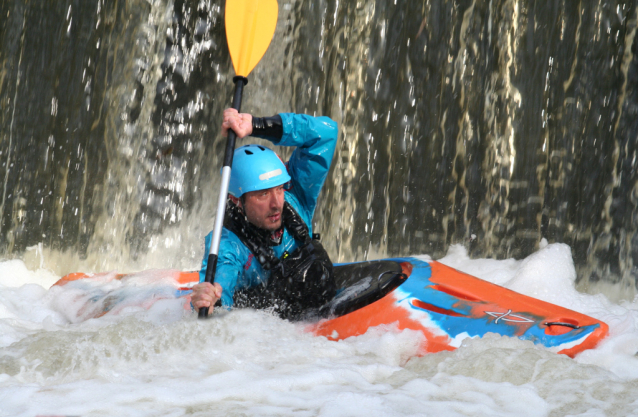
(268, 127)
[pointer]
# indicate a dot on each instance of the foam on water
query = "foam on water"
(163, 361)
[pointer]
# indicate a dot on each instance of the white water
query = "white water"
(165, 362)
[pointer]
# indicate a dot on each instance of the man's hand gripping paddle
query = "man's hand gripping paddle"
(250, 25)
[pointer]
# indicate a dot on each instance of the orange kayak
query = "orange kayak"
(446, 305)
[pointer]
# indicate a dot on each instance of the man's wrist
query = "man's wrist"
(268, 127)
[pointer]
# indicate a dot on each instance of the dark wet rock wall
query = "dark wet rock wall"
(489, 123)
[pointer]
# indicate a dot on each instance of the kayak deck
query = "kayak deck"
(449, 306)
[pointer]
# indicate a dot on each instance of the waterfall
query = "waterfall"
(494, 124)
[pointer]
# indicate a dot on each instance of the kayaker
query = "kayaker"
(267, 255)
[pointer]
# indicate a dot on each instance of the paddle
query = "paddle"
(250, 25)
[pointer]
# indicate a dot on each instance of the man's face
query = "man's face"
(263, 208)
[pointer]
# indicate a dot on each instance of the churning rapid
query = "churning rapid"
(165, 362)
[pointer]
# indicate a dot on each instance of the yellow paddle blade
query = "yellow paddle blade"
(250, 25)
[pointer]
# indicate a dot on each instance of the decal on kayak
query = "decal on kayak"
(514, 318)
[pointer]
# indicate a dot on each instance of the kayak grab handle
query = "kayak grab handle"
(562, 323)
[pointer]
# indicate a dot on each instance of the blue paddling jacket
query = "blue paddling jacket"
(315, 139)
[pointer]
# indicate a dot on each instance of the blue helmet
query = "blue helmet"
(256, 167)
